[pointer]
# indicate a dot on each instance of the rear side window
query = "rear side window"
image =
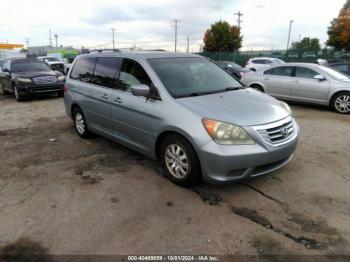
(304, 72)
(83, 69)
(282, 71)
(259, 61)
(106, 71)
(132, 73)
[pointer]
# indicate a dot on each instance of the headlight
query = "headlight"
(287, 107)
(227, 134)
(24, 80)
(61, 78)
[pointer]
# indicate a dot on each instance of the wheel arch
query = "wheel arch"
(336, 93)
(258, 84)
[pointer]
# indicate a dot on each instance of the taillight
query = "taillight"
(65, 89)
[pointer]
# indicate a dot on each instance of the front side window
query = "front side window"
(341, 67)
(304, 72)
(83, 69)
(268, 72)
(106, 70)
(282, 71)
(259, 61)
(132, 73)
(194, 76)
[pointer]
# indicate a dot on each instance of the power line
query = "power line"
(239, 20)
(176, 25)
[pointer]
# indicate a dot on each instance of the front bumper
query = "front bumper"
(233, 163)
(31, 88)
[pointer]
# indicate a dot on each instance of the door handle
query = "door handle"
(118, 100)
(104, 96)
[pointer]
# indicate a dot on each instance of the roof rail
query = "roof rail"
(161, 50)
(103, 50)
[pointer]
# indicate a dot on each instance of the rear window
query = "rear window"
(83, 69)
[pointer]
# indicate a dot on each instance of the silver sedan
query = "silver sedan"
(304, 82)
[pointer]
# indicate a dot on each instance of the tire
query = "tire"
(80, 123)
(60, 93)
(258, 88)
(180, 161)
(340, 103)
(18, 96)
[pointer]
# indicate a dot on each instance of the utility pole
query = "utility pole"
(188, 44)
(56, 38)
(239, 20)
(27, 42)
(176, 21)
(290, 29)
(50, 38)
(113, 39)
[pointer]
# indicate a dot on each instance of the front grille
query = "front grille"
(45, 79)
(277, 133)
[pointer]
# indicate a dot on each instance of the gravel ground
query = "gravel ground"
(94, 196)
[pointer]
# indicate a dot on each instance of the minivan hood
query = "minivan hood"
(244, 107)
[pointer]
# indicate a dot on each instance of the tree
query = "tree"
(307, 43)
(222, 37)
(339, 31)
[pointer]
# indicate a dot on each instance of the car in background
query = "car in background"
(293, 54)
(54, 63)
(304, 82)
(235, 69)
(2, 62)
(260, 63)
(182, 109)
(341, 67)
(23, 77)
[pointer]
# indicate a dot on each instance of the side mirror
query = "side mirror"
(319, 77)
(140, 90)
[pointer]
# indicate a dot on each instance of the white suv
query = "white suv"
(260, 63)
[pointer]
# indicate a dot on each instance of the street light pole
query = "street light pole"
(113, 39)
(290, 29)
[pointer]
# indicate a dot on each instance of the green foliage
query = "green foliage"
(222, 37)
(307, 43)
(339, 31)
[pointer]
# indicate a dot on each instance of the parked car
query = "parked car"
(54, 63)
(304, 82)
(235, 69)
(23, 77)
(261, 63)
(293, 54)
(342, 67)
(2, 62)
(182, 109)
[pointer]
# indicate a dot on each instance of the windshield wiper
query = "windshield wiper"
(207, 92)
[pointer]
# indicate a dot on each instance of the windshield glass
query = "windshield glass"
(52, 59)
(334, 73)
(23, 66)
(184, 77)
(233, 65)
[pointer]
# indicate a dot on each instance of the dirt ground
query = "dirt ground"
(94, 196)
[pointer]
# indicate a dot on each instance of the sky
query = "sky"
(149, 24)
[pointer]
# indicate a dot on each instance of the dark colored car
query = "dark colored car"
(23, 77)
(341, 67)
(233, 68)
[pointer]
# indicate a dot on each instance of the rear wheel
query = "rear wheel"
(180, 161)
(80, 123)
(341, 103)
(258, 88)
(18, 96)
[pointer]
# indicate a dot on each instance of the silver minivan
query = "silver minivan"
(182, 109)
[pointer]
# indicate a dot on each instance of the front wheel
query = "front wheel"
(18, 96)
(341, 103)
(180, 161)
(258, 88)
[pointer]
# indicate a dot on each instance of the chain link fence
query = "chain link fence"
(292, 55)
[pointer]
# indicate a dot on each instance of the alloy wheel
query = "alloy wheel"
(80, 123)
(176, 161)
(342, 104)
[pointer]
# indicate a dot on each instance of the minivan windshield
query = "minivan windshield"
(334, 73)
(28, 65)
(192, 76)
(51, 59)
